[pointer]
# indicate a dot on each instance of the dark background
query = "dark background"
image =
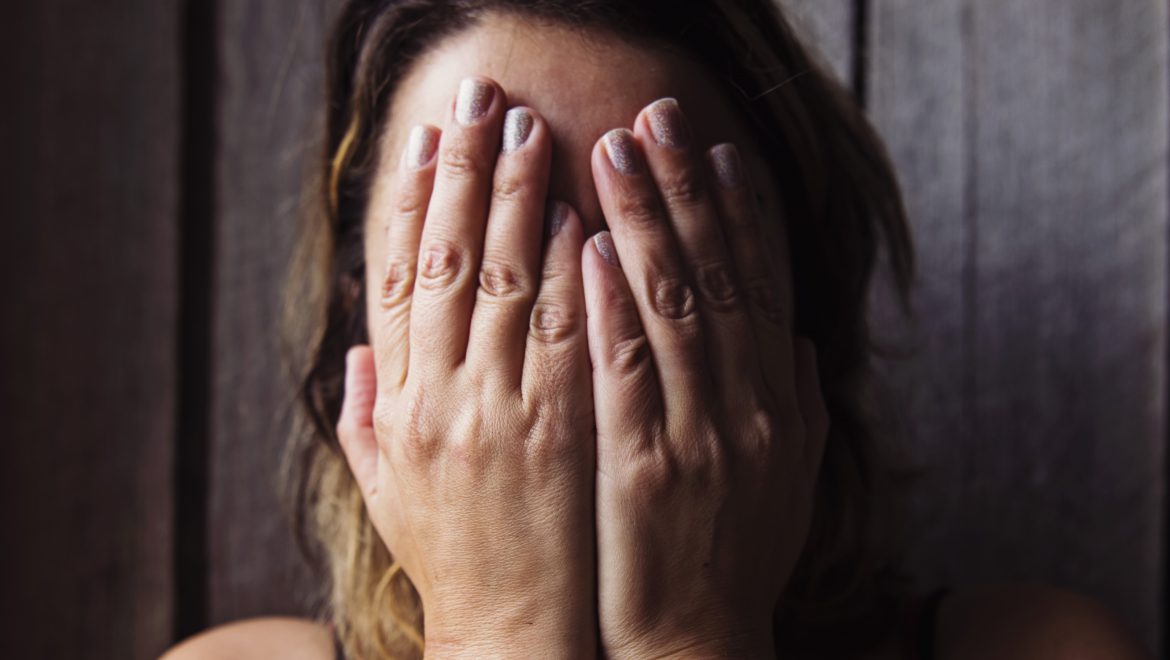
(151, 154)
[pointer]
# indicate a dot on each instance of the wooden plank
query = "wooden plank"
(90, 177)
(272, 55)
(1052, 390)
(917, 98)
(827, 26)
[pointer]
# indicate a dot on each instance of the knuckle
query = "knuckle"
(553, 437)
(764, 298)
(743, 221)
(762, 427)
(630, 355)
(441, 265)
(652, 475)
(397, 282)
(501, 280)
(468, 446)
(416, 432)
(673, 298)
(718, 286)
(553, 323)
(682, 189)
(461, 162)
(508, 189)
(639, 211)
(410, 206)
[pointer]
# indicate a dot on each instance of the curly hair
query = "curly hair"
(843, 207)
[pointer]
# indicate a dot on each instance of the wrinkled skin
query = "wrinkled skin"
(560, 433)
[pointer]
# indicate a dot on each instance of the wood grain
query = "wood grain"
(1032, 139)
(827, 27)
(272, 56)
(90, 184)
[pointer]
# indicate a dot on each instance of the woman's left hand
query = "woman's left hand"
(710, 421)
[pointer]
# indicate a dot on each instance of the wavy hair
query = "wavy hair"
(843, 206)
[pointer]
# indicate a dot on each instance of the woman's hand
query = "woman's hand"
(469, 426)
(710, 424)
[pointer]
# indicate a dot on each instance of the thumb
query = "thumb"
(355, 428)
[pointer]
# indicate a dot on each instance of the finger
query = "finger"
(812, 402)
(407, 211)
(649, 256)
(682, 180)
(556, 358)
(355, 427)
(627, 395)
(452, 239)
(758, 264)
(510, 272)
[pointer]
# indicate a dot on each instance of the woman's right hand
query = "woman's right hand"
(469, 425)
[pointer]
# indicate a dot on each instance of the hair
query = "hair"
(843, 207)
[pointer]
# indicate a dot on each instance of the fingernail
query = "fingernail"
(622, 152)
(728, 166)
(667, 124)
(555, 216)
(517, 128)
(421, 146)
(603, 241)
(475, 97)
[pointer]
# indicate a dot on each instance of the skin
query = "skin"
(573, 455)
(478, 434)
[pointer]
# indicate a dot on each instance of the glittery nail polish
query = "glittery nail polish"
(728, 166)
(603, 241)
(517, 128)
(622, 152)
(555, 216)
(667, 124)
(475, 97)
(421, 146)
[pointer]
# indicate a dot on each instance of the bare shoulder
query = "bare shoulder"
(294, 639)
(1031, 622)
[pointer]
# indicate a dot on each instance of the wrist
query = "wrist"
(691, 647)
(501, 632)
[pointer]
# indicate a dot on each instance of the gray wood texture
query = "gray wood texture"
(88, 346)
(1032, 140)
(827, 27)
(1031, 137)
(271, 54)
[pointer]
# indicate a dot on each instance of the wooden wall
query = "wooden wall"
(155, 151)
(1032, 140)
(88, 345)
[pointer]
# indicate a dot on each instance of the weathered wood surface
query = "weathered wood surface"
(1031, 136)
(827, 26)
(88, 346)
(271, 61)
(1034, 403)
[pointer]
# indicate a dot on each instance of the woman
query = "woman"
(610, 259)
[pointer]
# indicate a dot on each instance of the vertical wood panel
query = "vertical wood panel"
(272, 57)
(1038, 398)
(88, 346)
(827, 26)
(917, 99)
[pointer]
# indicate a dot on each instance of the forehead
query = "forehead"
(583, 82)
